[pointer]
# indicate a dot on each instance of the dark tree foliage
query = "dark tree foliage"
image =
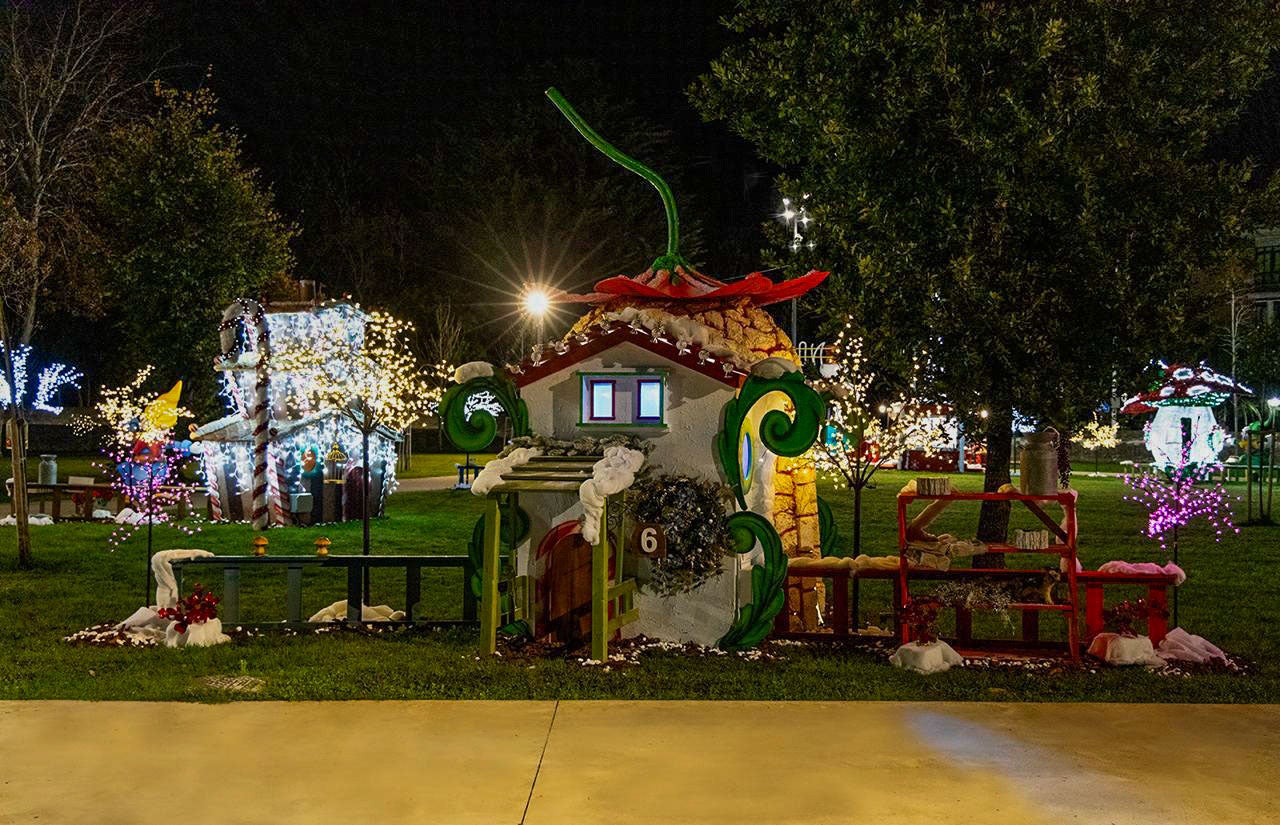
(1022, 188)
(186, 229)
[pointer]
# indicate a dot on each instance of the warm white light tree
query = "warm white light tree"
(861, 429)
(1099, 435)
(375, 381)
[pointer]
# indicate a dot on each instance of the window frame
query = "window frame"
(632, 378)
(650, 420)
(612, 417)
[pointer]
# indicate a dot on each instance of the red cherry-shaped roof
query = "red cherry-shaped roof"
(689, 285)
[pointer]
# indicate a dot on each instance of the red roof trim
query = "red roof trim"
(623, 334)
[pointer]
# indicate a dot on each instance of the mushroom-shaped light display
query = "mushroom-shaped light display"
(1184, 430)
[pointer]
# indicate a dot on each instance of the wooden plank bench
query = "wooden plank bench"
(1157, 585)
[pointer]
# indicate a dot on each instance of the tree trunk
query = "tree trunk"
(364, 509)
(16, 430)
(857, 521)
(993, 519)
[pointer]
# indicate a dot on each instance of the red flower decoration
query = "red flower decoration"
(689, 285)
(199, 607)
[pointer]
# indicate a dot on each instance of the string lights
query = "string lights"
(860, 430)
(49, 382)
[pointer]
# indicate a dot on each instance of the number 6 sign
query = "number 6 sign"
(651, 539)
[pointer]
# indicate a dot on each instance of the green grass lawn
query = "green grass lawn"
(425, 465)
(1232, 597)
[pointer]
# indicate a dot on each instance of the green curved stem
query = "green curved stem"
(670, 260)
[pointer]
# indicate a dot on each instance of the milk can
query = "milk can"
(1040, 463)
(48, 469)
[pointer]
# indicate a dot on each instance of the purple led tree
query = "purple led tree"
(1176, 498)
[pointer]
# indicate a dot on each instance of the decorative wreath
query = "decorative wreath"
(694, 517)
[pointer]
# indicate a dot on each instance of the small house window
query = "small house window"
(601, 400)
(624, 399)
(648, 399)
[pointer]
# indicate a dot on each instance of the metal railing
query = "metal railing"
(355, 566)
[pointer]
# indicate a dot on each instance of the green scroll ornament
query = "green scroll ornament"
(754, 620)
(782, 434)
(477, 432)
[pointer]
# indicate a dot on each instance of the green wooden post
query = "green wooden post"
(230, 594)
(293, 593)
(600, 590)
(412, 590)
(489, 578)
(355, 591)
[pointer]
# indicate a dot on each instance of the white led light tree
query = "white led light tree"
(375, 382)
(861, 430)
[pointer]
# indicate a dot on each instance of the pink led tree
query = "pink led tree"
(1177, 498)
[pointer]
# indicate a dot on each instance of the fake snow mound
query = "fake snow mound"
(609, 476)
(472, 369)
(34, 519)
(491, 475)
(1187, 647)
(337, 612)
(685, 331)
(1115, 649)
(935, 657)
(773, 367)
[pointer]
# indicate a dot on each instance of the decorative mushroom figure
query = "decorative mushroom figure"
(1184, 430)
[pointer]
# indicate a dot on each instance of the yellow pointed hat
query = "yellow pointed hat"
(162, 414)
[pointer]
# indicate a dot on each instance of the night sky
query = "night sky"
(370, 80)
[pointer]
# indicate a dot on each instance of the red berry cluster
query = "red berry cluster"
(199, 607)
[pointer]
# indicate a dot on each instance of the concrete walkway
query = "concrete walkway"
(735, 763)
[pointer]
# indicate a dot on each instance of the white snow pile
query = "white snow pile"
(935, 657)
(34, 519)
(1117, 649)
(146, 625)
(684, 331)
(491, 475)
(609, 476)
(773, 367)
(337, 612)
(101, 513)
(472, 369)
(130, 516)
(1179, 645)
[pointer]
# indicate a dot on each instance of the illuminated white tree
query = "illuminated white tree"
(375, 381)
(862, 428)
(1099, 435)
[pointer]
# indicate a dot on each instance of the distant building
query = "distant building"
(1266, 284)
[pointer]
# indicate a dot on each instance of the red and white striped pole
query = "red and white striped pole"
(254, 317)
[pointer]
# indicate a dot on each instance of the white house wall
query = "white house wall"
(694, 404)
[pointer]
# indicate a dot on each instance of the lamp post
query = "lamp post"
(797, 219)
(536, 303)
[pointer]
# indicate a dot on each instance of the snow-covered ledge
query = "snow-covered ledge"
(609, 476)
(494, 468)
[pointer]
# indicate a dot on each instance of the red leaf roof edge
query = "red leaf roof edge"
(600, 337)
(1182, 383)
(690, 285)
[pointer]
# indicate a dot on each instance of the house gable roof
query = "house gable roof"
(552, 358)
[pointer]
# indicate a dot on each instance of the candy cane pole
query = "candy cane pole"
(253, 316)
(211, 481)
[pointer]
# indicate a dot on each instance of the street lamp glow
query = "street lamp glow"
(537, 302)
